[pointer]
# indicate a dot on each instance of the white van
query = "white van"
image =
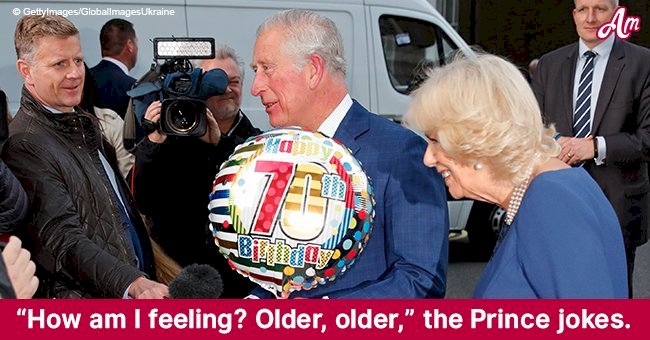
(385, 40)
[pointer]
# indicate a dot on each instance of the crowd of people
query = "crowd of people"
(568, 164)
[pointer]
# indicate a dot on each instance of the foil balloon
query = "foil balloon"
(291, 210)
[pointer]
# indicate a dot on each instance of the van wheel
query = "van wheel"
(483, 227)
(497, 218)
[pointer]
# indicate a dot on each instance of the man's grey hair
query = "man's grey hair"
(223, 51)
(30, 29)
(308, 33)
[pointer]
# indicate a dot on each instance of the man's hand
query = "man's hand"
(297, 287)
(576, 150)
(153, 114)
(143, 288)
(212, 134)
(20, 269)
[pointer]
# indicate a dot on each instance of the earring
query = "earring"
(478, 166)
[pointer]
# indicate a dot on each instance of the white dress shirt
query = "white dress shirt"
(118, 63)
(603, 50)
(331, 124)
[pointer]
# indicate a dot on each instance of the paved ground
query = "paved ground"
(465, 270)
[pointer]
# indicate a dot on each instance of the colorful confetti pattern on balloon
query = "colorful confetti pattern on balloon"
(291, 210)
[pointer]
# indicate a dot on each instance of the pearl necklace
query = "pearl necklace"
(517, 196)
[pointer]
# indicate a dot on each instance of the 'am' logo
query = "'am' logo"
(622, 24)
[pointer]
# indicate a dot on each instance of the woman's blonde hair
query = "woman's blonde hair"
(166, 268)
(483, 110)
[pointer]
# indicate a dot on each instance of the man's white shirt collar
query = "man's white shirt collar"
(331, 124)
(118, 63)
(603, 49)
(53, 110)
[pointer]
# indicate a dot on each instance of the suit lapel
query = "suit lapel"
(613, 71)
(355, 123)
(567, 73)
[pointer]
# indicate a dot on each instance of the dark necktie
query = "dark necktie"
(582, 114)
(127, 225)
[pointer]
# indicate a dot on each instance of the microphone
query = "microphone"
(196, 281)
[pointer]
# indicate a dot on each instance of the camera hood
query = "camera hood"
(213, 82)
(196, 84)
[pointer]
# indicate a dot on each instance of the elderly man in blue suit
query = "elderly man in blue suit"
(119, 55)
(300, 78)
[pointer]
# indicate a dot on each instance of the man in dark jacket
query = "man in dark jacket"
(119, 55)
(83, 229)
(16, 270)
(173, 177)
(13, 200)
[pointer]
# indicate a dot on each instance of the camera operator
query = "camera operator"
(173, 175)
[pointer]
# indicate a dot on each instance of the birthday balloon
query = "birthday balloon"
(291, 210)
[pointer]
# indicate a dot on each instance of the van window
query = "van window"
(411, 46)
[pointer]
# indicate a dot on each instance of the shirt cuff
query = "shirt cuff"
(602, 150)
(126, 293)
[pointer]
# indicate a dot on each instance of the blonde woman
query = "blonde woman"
(561, 238)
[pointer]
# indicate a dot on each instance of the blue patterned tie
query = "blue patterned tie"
(582, 114)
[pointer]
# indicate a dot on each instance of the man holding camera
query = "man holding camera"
(173, 175)
(83, 228)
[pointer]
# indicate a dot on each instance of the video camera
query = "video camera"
(182, 88)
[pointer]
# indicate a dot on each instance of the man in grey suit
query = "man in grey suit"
(597, 93)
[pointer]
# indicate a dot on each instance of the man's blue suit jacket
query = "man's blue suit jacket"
(406, 256)
(111, 84)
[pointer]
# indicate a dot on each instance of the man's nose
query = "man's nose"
(591, 15)
(257, 86)
(75, 71)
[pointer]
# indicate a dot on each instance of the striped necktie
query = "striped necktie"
(582, 114)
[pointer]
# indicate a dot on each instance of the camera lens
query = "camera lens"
(184, 115)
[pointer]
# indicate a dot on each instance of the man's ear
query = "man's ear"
(315, 70)
(25, 71)
(131, 45)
